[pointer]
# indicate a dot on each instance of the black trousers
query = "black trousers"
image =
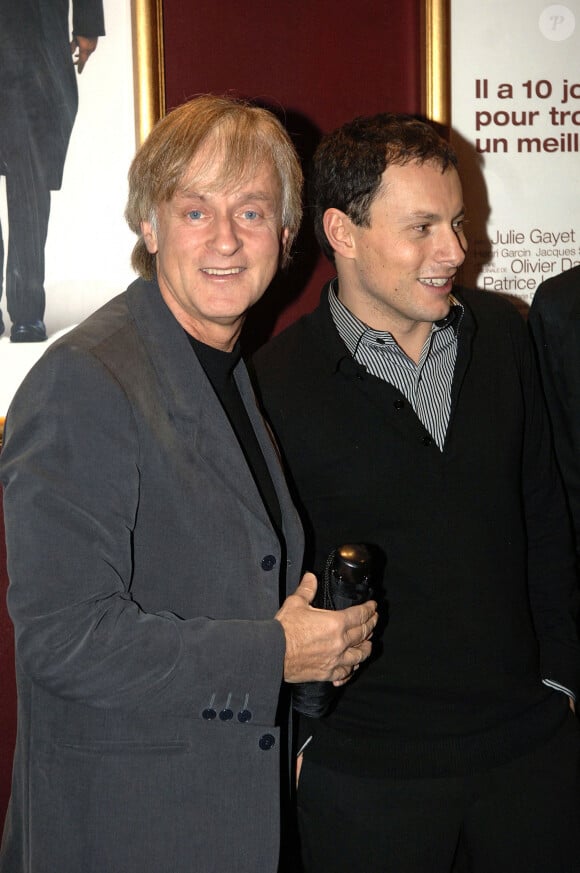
(28, 207)
(522, 817)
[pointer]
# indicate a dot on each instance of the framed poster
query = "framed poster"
(504, 77)
(88, 247)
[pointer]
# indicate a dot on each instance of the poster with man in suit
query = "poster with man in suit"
(38, 106)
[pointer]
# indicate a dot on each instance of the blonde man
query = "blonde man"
(152, 540)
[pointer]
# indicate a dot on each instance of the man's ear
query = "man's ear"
(149, 236)
(284, 244)
(339, 232)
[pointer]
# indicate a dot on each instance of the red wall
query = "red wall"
(330, 60)
(323, 63)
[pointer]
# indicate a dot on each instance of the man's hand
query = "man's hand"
(82, 48)
(299, 762)
(323, 645)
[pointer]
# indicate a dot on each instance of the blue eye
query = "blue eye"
(251, 214)
(195, 214)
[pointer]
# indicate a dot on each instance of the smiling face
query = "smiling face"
(217, 250)
(396, 274)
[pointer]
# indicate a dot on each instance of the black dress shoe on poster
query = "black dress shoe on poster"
(33, 332)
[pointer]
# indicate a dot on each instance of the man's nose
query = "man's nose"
(453, 247)
(225, 238)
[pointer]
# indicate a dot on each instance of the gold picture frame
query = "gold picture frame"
(148, 73)
(148, 65)
(436, 60)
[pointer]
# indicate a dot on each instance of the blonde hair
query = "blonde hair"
(247, 135)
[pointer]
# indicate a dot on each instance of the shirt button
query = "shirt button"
(209, 714)
(427, 440)
(399, 404)
(266, 742)
(268, 562)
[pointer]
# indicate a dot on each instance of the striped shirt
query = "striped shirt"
(427, 384)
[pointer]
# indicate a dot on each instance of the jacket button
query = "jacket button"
(268, 562)
(244, 715)
(427, 440)
(226, 714)
(399, 403)
(209, 714)
(266, 742)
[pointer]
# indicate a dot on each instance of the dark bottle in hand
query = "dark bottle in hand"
(345, 582)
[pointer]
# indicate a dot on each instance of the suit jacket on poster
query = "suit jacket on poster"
(144, 577)
(555, 323)
(38, 89)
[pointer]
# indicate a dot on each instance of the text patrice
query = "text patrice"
(553, 252)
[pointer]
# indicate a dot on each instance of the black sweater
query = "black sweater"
(476, 567)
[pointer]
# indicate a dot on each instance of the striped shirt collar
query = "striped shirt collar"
(426, 384)
(353, 331)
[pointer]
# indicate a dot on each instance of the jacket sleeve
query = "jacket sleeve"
(561, 383)
(71, 470)
(88, 18)
(552, 579)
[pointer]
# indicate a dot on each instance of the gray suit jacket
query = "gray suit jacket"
(144, 577)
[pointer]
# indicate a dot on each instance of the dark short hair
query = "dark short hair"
(349, 163)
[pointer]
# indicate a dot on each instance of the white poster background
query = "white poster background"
(89, 245)
(515, 97)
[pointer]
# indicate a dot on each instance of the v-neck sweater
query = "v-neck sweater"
(475, 570)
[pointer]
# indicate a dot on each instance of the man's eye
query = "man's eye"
(251, 214)
(421, 227)
(195, 214)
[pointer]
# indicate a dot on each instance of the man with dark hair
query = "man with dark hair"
(152, 542)
(410, 417)
(555, 323)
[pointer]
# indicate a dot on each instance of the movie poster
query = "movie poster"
(515, 115)
(88, 248)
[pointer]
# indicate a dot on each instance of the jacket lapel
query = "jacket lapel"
(189, 397)
(291, 525)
